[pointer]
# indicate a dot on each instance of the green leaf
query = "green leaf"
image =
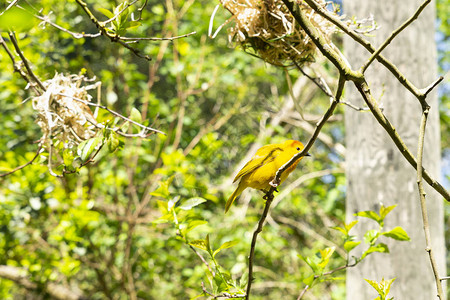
(385, 210)
(135, 115)
(191, 225)
(77, 162)
(125, 126)
(85, 149)
(342, 230)
(133, 24)
(208, 245)
(325, 256)
(371, 236)
(383, 287)
(350, 245)
(172, 203)
(382, 248)
(163, 189)
(105, 12)
(225, 246)
(369, 214)
(164, 219)
(192, 202)
(112, 141)
(350, 225)
(312, 263)
(200, 244)
(398, 233)
(68, 157)
(309, 280)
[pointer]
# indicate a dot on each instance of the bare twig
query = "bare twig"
(119, 13)
(9, 6)
(124, 38)
(428, 89)
(276, 181)
(12, 36)
(112, 112)
(423, 204)
(269, 198)
(46, 20)
(24, 165)
(28, 75)
(366, 44)
(18, 68)
(113, 37)
(360, 82)
(393, 35)
(364, 90)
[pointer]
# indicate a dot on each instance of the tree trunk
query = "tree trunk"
(376, 171)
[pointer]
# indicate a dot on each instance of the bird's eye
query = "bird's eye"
(298, 148)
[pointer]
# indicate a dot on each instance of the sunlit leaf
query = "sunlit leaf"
(382, 248)
(225, 246)
(398, 233)
(200, 244)
(192, 202)
(350, 245)
(86, 148)
(369, 214)
(384, 211)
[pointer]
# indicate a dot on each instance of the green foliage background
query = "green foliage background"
(90, 231)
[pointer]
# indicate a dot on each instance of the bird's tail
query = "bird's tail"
(233, 197)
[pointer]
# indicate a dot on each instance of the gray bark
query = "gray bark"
(376, 171)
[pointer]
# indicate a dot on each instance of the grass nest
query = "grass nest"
(62, 110)
(266, 29)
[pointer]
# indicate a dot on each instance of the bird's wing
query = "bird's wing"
(262, 157)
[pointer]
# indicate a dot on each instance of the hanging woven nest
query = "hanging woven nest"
(267, 29)
(62, 112)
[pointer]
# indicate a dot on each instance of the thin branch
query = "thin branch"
(9, 6)
(119, 13)
(12, 36)
(351, 105)
(17, 67)
(157, 39)
(276, 181)
(269, 198)
(24, 165)
(334, 19)
(428, 89)
(140, 9)
(113, 37)
(287, 190)
(364, 90)
(46, 20)
(318, 81)
(112, 112)
(393, 35)
(423, 204)
(360, 82)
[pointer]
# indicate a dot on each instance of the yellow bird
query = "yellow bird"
(261, 169)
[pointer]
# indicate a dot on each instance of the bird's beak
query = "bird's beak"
(307, 154)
